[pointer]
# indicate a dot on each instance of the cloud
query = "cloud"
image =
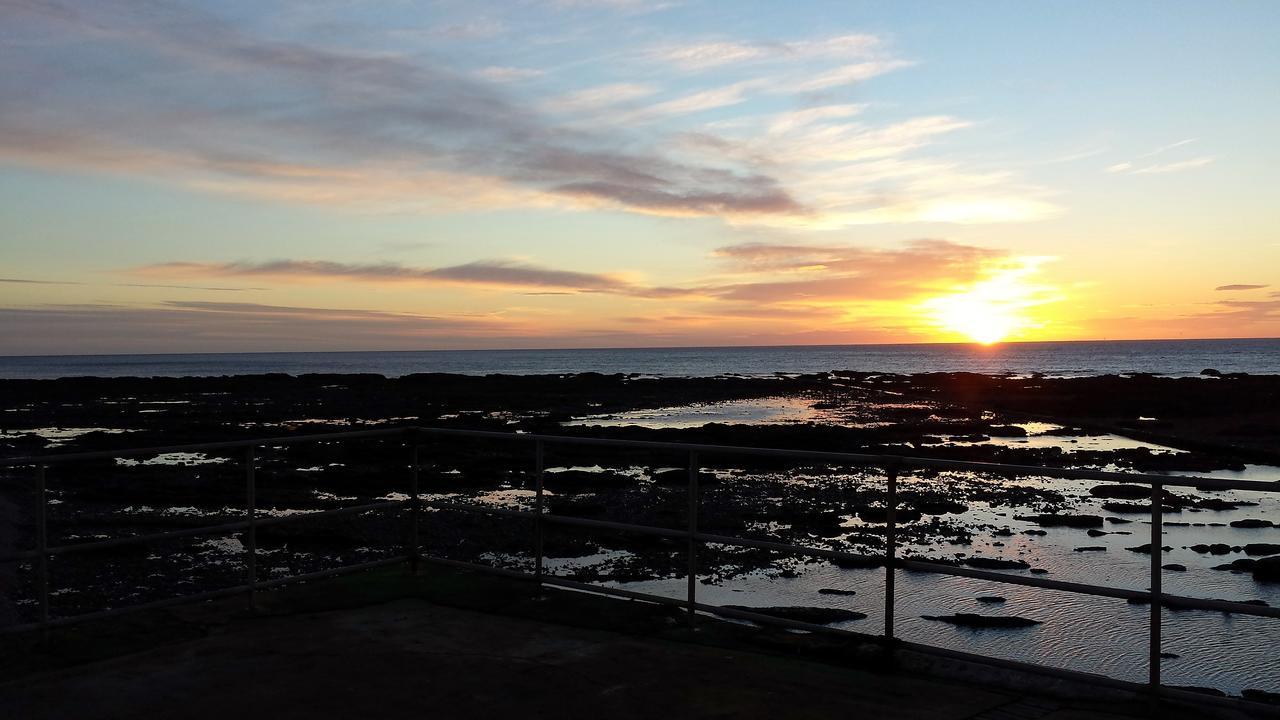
(505, 74)
(706, 55)
(849, 74)
(23, 281)
(166, 92)
(222, 327)
(486, 273)
(155, 89)
(1240, 287)
(836, 274)
(1140, 166)
(599, 97)
(1173, 167)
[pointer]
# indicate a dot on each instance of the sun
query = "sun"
(994, 308)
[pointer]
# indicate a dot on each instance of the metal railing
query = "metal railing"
(892, 465)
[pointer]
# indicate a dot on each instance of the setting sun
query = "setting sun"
(994, 308)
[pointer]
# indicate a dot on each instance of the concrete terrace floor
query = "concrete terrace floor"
(416, 657)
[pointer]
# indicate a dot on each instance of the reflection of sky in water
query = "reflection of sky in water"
(59, 435)
(173, 458)
(756, 411)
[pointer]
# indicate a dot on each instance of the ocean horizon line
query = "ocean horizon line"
(606, 348)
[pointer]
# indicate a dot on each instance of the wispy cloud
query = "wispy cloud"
(486, 273)
(214, 326)
(505, 74)
(177, 94)
(1240, 286)
(353, 119)
(705, 55)
(1141, 164)
(1173, 167)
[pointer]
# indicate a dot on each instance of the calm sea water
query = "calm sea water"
(1169, 357)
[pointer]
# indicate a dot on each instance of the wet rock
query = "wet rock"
(990, 599)
(995, 563)
(1254, 549)
(1097, 533)
(973, 620)
(836, 591)
(1169, 656)
(1252, 523)
(1267, 569)
(1003, 532)
(815, 615)
(1215, 692)
(857, 563)
(1121, 491)
(1175, 567)
(1034, 532)
(1146, 548)
(1241, 565)
(1131, 508)
(1261, 696)
(1118, 521)
(881, 515)
(1214, 549)
(940, 507)
(1039, 571)
(1062, 520)
(1091, 548)
(1210, 372)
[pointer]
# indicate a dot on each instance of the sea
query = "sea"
(1178, 358)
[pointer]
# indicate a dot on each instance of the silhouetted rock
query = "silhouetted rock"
(1267, 569)
(815, 615)
(836, 591)
(1214, 549)
(1261, 696)
(1175, 567)
(1062, 520)
(995, 563)
(1252, 523)
(973, 620)
(1121, 491)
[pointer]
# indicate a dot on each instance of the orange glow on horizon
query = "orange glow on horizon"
(996, 308)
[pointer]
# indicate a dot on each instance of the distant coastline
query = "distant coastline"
(1058, 359)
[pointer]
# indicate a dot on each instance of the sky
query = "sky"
(399, 174)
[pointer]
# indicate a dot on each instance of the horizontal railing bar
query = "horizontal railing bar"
(198, 447)
(197, 597)
(202, 530)
(610, 525)
(869, 459)
(828, 456)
